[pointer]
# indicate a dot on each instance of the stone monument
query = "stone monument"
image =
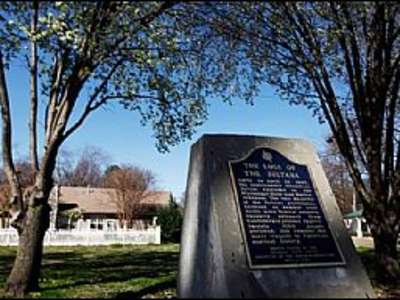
(261, 222)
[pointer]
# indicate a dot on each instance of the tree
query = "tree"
(131, 185)
(341, 60)
(64, 166)
(170, 219)
(72, 216)
(24, 172)
(4, 205)
(142, 55)
(338, 176)
(108, 170)
(87, 171)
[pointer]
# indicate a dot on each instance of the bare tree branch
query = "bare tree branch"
(33, 65)
(328, 98)
(56, 89)
(356, 143)
(16, 193)
(90, 104)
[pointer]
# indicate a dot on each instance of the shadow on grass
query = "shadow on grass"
(153, 289)
(132, 268)
(7, 256)
(78, 270)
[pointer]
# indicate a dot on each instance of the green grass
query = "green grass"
(128, 271)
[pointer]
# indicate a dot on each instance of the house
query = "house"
(355, 222)
(89, 216)
(85, 208)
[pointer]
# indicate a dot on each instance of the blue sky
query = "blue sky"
(119, 133)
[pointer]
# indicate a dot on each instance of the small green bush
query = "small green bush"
(170, 219)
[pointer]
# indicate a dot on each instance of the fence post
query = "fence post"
(158, 234)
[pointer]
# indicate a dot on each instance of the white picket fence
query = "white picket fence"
(62, 237)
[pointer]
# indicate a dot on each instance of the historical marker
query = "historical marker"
(281, 217)
(261, 221)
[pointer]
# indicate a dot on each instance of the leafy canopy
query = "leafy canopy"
(162, 60)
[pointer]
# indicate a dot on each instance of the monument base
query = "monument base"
(261, 222)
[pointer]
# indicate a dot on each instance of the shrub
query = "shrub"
(170, 219)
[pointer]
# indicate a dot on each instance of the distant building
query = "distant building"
(96, 208)
(92, 208)
(85, 208)
(355, 222)
(89, 216)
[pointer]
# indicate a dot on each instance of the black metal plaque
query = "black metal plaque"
(280, 214)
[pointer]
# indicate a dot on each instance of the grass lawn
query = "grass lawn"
(128, 271)
(125, 272)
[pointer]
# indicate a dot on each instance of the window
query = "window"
(92, 224)
(102, 224)
(111, 225)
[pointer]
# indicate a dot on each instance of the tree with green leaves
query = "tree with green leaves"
(170, 219)
(341, 60)
(151, 57)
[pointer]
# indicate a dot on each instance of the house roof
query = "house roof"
(101, 200)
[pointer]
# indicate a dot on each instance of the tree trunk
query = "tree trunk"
(385, 239)
(25, 273)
